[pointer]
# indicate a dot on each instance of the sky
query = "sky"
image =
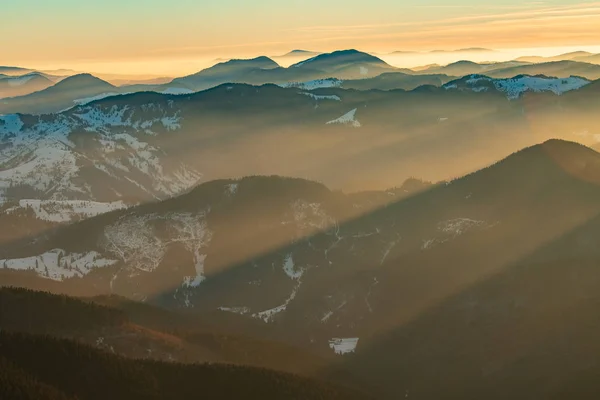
(174, 37)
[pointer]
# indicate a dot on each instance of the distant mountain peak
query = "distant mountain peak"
(256, 60)
(474, 49)
(82, 79)
(343, 56)
(463, 62)
(466, 50)
(574, 149)
(298, 53)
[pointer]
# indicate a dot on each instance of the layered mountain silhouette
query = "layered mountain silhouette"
(12, 86)
(582, 56)
(345, 64)
(60, 96)
(349, 69)
(483, 284)
(508, 69)
(14, 71)
(303, 226)
(133, 148)
(465, 67)
(560, 69)
(225, 72)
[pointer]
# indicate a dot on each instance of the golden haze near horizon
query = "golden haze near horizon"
(152, 38)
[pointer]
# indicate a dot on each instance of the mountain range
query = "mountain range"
(63, 95)
(12, 86)
(559, 69)
(334, 227)
(426, 273)
(136, 147)
(357, 70)
(582, 56)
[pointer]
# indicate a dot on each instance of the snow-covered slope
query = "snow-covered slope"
(58, 264)
(347, 119)
(42, 154)
(515, 87)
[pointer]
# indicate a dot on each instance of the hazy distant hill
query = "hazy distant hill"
(60, 96)
(228, 71)
(345, 64)
(508, 69)
(575, 55)
(295, 53)
(559, 69)
(396, 80)
(592, 59)
(11, 86)
(462, 68)
(298, 54)
(14, 71)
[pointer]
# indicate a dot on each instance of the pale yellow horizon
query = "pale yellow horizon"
(150, 38)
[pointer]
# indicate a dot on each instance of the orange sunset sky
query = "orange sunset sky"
(156, 37)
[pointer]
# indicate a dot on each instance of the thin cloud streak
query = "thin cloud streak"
(581, 9)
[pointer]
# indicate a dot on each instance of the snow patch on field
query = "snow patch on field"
(269, 315)
(235, 310)
(58, 264)
(10, 124)
(135, 240)
(231, 188)
(343, 346)
(326, 316)
(515, 87)
(428, 243)
(388, 249)
(347, 119)
(310, 216)
(195, 281)
(193, 233)
(290, 269)
(314, 84)
(321, 97)
(459, 226)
